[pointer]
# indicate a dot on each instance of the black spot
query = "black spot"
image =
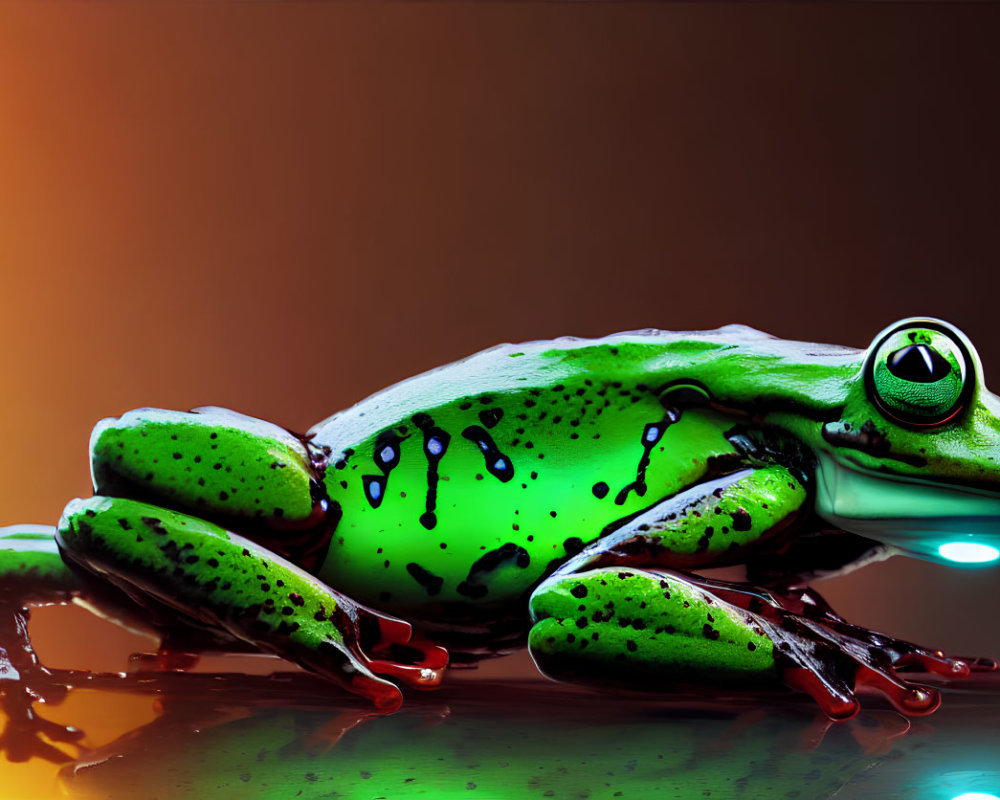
(497, 464)
(155, 525)
(436, 443)
(579, 591)
(651, 435)
(374, 486)
(431, 582)
(600, 490)
(490, 416)
(741, 520)
(573, 545)
(387, 451)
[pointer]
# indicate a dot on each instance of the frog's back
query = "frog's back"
(633, 356)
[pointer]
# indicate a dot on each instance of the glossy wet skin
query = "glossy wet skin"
(450, 498)
(572, 426)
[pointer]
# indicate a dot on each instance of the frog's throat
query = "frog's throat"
(913, 516)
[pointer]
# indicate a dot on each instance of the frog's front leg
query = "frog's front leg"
(171, 562)
(598, 619)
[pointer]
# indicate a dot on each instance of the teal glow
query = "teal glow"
(969, 553)
(976, 796)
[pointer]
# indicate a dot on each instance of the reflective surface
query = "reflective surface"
(244, 736)
(524, 739)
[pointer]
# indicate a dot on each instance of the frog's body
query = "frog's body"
(548, 446)
(555, 472)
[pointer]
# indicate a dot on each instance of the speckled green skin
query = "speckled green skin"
(32, 567)
(641, 627)
(450, 498)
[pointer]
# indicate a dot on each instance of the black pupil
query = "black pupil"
(918, 363)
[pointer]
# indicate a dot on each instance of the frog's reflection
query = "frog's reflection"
(495, 739)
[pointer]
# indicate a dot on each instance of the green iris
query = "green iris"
(919, 375)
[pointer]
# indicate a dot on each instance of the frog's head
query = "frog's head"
(914, 460)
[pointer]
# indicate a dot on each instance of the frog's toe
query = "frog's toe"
(937, 663)
(981, 664)
(388, 646)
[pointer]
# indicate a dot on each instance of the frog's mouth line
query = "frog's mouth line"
(942, 523)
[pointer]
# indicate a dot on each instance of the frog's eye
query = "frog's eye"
(920, 374)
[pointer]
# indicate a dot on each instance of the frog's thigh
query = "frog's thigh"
(218, 579)
(210, 461)
(642, 630)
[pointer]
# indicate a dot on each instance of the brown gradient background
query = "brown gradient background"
(282, 208)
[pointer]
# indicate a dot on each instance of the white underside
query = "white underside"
(914, 516)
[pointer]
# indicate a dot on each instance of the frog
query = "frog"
(565, 495)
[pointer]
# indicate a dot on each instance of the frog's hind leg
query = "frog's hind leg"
(242, 473)
(600, 619)
(654, 630)
(212, 578)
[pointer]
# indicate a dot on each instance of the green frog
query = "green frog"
(562, 493)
